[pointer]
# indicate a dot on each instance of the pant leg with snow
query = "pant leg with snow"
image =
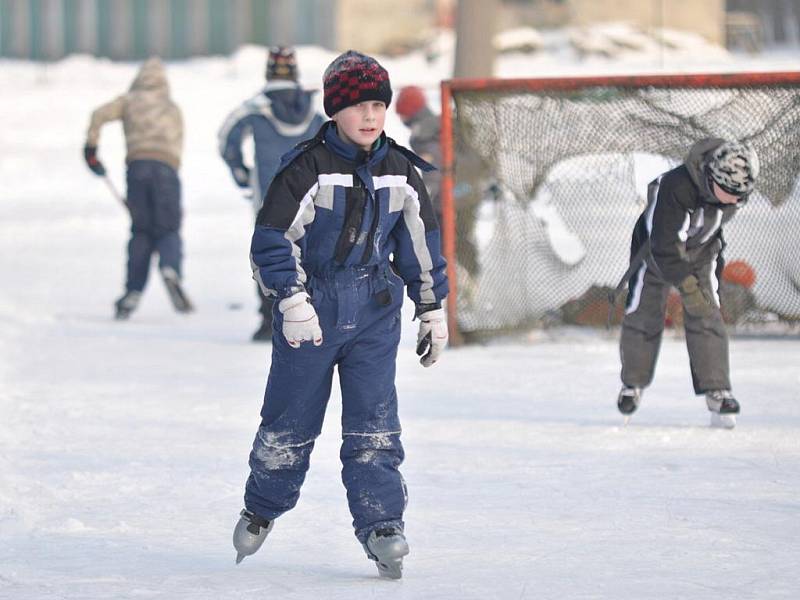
(297, 393)
(371, 451)
(140, 205)
(707, 338)
(642, 327)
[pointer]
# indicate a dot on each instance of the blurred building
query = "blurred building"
(706, 18)
(135, 29)
(738, 24)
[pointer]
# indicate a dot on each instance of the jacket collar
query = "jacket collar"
(351, 152)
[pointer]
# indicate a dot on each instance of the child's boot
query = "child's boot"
(178, 297)
(628, 401)
(723, 407)
(126, 305)
(249, 534)
(387, 547)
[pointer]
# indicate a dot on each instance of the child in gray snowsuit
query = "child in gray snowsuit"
(678, 242)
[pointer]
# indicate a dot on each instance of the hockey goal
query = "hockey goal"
(543, 180)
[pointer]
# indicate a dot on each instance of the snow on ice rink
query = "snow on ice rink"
(123, 446)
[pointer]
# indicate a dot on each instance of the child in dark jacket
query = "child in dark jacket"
(340, 206)
(279, 117)
(678, 242)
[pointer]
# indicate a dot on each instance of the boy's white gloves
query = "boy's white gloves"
(432, 336)
(300, 321)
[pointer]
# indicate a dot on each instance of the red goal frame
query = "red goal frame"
(451, 86)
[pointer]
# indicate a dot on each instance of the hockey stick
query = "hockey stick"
(120, 198)
(635, 265)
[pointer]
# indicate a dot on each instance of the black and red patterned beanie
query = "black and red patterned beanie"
(353, 77)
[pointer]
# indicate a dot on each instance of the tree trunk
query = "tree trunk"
(475, 23)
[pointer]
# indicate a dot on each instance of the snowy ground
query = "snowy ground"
(123, 446)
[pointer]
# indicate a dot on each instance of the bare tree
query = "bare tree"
(475, 24)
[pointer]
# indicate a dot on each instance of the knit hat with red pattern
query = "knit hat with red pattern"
(353, 77)
(281, 63)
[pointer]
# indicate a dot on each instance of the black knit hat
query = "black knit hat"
(281, 63)
(352, 78)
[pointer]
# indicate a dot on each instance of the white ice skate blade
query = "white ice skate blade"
(723, 421)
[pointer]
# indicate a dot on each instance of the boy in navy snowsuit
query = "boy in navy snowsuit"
(340, 206)
(279, 117)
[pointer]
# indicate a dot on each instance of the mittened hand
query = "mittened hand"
(300, 321)
(242, 176)
(432, 336)
(696, 300)
(90, 156)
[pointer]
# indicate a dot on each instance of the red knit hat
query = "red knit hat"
(410, 101)
(352, 78)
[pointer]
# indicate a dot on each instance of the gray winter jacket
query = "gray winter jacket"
(683, 219)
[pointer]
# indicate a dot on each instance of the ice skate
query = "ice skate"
(126, 305)
(723, 407)
(249, 534)
(628, 401)
(387, 547)
(178, 297)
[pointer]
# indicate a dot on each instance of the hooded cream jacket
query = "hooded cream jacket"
(151, 120)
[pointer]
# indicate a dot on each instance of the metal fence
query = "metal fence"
(135, 29)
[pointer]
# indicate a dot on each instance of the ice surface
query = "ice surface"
(123, 446)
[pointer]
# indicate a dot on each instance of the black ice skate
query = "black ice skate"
(126, 305)
(387, 547)
(178, 297)
(723, 407)
(249, 534)
(628, 401)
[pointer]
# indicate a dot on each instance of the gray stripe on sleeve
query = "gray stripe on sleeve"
(397, 199)
(324, 198)
(257, 277)
(416, 228)
(227, 126)
(305, 215)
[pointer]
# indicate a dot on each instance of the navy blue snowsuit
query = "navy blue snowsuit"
(278, 118)
(332, 218)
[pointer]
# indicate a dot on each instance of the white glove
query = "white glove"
(432, 336)
(300, 321)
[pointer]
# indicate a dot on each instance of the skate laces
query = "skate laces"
(386, 532)
(254, 519)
